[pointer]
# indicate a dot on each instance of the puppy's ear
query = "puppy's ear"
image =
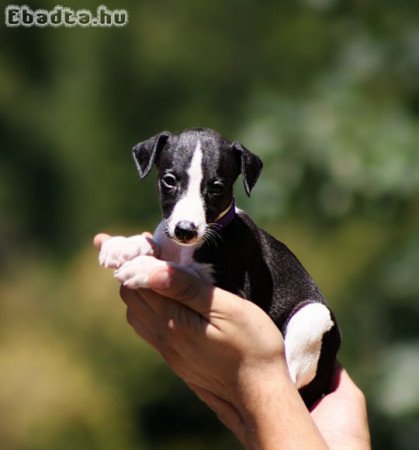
(145, 153)
(250, 166)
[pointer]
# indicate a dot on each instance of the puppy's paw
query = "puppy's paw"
(134, 274)
(118, 250)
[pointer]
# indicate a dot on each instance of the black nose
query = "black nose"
(185, 231)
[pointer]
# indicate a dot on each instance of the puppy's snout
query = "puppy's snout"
(185, 231)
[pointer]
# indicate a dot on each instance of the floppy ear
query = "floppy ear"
(250, 166)
(145, 153)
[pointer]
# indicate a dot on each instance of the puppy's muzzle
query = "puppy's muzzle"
(186, 231)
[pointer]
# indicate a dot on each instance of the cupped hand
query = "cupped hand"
(232, 356)
(219, 344)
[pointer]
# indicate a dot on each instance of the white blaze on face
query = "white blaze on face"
(190, 206)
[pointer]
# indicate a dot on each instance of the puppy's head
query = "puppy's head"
(196, 172)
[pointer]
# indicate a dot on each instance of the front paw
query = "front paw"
(118, 250)
(134, 274)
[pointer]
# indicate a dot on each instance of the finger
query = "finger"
(142, 331)
(140, 316)
(158, 304)
(159, 316)
(99, 239)
(178, 284)
(177, 320)
(163, 323)
(134, 300)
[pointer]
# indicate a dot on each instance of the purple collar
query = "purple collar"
(227, 216)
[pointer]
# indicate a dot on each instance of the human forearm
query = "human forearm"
(274, 416)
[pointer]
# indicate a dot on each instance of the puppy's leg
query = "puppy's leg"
(117, 250)
(135, 273)
(303, 341)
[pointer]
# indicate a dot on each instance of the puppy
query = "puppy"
(203, 231)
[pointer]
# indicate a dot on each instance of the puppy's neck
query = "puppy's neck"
(227, 215)
(183, 254)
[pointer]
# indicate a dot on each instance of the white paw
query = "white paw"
(118, 250)
(134, 274)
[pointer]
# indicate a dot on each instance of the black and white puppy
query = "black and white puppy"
(204, 231)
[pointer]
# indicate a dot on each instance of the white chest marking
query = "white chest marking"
(303, 341)
(191, 206)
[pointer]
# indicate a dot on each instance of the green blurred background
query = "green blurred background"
(325, 91)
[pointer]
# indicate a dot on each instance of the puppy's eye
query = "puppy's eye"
(169, 181)
(216, 188)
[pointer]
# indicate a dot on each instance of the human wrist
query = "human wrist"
(260, 403)
(273, 415)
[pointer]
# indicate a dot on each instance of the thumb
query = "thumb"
(184, 286)
(99, 239)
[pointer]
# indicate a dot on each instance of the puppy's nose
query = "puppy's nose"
(185, 231)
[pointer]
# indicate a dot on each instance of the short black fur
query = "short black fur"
(247, 270)
(246, 260)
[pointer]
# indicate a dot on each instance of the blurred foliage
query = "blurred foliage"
(325, 91)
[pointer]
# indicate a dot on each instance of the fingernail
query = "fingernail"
(161, 280)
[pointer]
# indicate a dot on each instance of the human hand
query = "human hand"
(341, 416)
(224, 347)
(194, 322)
(232, 356)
